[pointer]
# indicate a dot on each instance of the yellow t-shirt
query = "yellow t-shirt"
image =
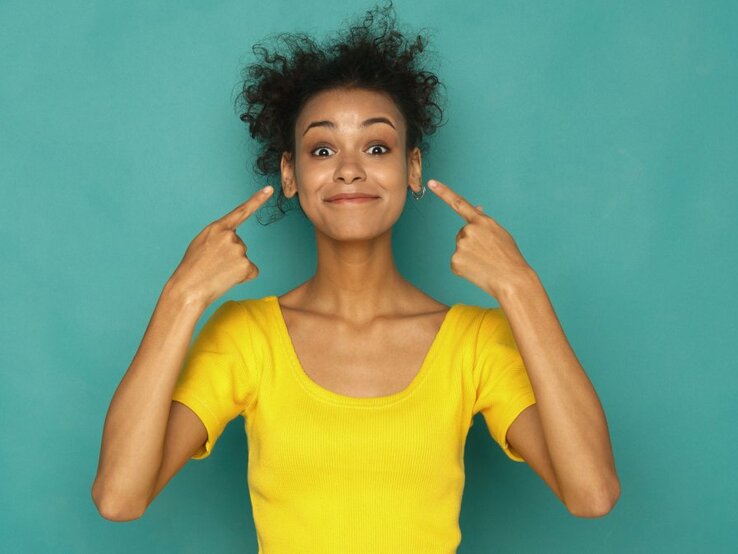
(329, 473)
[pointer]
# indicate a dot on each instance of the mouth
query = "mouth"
(355, 200)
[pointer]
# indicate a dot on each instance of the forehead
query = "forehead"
(348, 108)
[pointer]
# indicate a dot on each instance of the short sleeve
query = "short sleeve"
(503, 387)
(215, 382)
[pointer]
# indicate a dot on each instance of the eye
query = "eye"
(318, 148)
(379, 146)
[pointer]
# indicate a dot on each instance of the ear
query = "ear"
(288, 175)
(415, 170)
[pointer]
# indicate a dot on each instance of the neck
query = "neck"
(357, 279)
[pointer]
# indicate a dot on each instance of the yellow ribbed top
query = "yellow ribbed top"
(329, 473)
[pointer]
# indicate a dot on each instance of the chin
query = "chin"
(354, 233)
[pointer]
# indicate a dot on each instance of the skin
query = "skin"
(564, 436)
(359, 314)
(356, 277)
(357, 310)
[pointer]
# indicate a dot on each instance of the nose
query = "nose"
(349, 170)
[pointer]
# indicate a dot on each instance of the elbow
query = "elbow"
(114, 511)
(597, 503)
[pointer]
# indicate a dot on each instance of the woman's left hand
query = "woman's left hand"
(486, 254)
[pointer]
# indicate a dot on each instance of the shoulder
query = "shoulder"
(254, 307)
(462, 326)
(239, 310)
(251, 326)
(483, 325)
(476, 316)
(242, 320)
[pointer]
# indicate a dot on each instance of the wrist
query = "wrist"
(518, 283)
(175, 292)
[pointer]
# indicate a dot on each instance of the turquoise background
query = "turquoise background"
(601, 135)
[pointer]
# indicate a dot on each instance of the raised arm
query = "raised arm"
(136, 422)
(139, 432)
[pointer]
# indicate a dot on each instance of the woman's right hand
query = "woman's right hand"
(216, 258)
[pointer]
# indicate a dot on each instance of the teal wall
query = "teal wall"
(602, 136)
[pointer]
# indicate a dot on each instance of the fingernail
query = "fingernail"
(432, 184)
(267, 188)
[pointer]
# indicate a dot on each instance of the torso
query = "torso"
(376, 359)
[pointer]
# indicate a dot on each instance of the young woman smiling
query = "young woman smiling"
(357, 389)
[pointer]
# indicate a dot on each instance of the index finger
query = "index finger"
(460, 205)
(241, 213)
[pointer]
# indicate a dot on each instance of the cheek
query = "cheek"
(310, 176)
(390, 176)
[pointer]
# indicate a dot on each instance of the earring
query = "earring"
(422, 192)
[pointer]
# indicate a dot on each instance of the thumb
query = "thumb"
(253, 274)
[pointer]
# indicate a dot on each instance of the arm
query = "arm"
(568, 418)
(143, 445)
(136, 422)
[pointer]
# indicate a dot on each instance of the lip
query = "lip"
(351, 197)
(357, 200)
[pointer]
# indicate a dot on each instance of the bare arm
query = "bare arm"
(143, 444)
(136, 422)
(568, 417)
(565, 436)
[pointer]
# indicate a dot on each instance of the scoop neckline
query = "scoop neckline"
(337, 398)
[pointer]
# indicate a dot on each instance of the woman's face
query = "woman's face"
(335, 154)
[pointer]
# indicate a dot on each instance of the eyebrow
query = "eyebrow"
(370, 121)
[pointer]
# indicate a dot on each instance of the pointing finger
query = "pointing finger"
(241, 213)
(453, 199)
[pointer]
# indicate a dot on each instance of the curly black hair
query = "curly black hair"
(275, 89)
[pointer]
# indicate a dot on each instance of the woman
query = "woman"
(357, 388)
